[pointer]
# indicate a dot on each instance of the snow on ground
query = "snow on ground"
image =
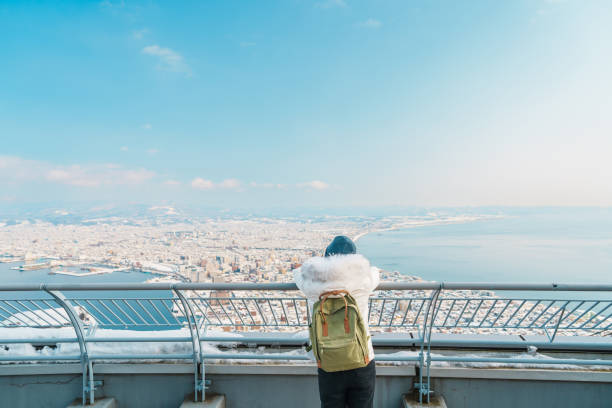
(209, 348)
(159, 267)
(98, 348)
(537, 358)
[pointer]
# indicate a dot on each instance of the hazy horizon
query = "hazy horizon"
(76, 213)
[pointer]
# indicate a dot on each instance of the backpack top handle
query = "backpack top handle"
(324, 297)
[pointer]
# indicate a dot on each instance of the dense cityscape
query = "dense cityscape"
(219, 250)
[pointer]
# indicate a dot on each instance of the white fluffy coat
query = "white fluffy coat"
(339, 272)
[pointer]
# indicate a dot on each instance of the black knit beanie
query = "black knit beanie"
(341, 245)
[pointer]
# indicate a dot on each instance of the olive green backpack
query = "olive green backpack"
(338, 336)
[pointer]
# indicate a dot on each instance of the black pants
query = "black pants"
(350, 388)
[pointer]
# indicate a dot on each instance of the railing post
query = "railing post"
(80, 333)
(424, 388)
(202, 367)
(195, 336)
(434, 313)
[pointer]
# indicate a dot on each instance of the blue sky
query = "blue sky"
(294, 102)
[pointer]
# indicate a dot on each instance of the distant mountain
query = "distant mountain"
(160, 214)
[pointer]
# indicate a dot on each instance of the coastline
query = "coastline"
(427, 223)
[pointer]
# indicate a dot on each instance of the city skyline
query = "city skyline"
(307, 103)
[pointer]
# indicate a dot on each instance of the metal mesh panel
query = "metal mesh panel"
(35, 313)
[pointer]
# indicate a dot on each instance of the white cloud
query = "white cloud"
(139, 34)
(81, 176)
(229, 184)
(172, 183)
(147, 126)
(200, 184)
(73, 175)
(168, 60)
(136, 176)
(16, 169)
(8, 198)
(152, 152)
(9, 162)
(370, 23)
(124, 148)
(314, 184)
(330, 4)
(203, 184)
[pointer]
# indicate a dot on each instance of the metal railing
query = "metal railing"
(415, 312)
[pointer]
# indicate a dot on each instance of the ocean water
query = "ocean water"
(9, 275)
(531, 246)
(10, 301)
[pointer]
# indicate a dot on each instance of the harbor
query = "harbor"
(32, 266)
(54, 271)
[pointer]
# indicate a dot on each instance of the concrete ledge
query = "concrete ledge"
(143, 368)
(310, 370)
(476, 341)
(237, 369)
(38, 369)
(211, 401)
(605, 342)
(101, 403)
(408, 401)
(288, 369)
(530, 374)
(407, 370)
(251, 369)
(137, 386)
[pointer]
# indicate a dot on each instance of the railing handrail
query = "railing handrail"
(552, 287)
